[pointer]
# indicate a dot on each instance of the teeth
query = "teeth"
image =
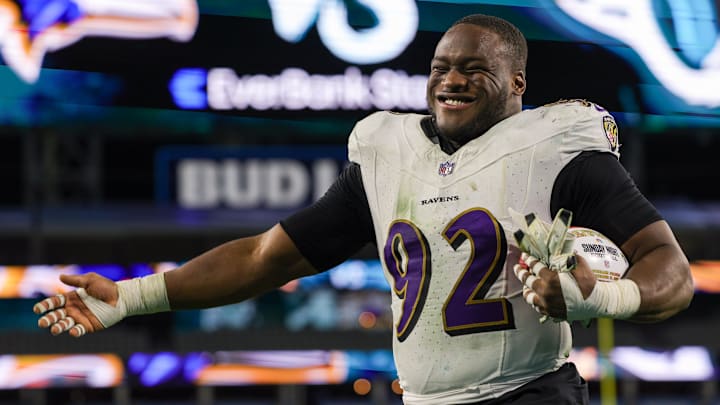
(454, 102)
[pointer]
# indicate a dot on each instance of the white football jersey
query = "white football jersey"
(462, 331)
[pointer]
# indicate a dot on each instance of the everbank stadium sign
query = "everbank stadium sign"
(294, 88)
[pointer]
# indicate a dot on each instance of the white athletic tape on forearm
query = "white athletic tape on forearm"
(615, 299)
(140, 295)
(144, 295)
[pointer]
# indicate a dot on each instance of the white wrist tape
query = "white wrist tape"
(140, 295)
(615, 299)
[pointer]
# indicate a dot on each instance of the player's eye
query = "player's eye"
(474, 69)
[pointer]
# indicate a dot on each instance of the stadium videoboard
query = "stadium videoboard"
(185, 65)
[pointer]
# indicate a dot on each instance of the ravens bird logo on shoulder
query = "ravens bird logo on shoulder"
(611, 132)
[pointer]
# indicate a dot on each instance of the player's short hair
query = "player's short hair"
(515, 41)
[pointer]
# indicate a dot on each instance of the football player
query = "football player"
(434, 193)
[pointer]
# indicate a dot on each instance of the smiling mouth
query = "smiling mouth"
(454, 101)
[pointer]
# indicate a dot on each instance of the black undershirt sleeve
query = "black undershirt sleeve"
(602, 196)
(337, 225)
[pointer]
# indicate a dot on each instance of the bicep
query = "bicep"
(603, 197)
(652, 249)
(660, 270)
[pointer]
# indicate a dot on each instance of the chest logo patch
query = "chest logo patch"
(611, 132)
(446, 168)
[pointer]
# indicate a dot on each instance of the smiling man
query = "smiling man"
(434, 194)
(477, 78)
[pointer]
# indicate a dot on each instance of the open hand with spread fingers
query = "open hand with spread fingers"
(73, 311)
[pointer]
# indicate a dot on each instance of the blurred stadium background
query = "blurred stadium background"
(135, 135)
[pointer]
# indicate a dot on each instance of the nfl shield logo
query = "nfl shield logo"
(446, 168)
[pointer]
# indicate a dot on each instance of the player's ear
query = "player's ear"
(519, 83)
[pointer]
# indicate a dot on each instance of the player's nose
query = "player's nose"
(454, 79)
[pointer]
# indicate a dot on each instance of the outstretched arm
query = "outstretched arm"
(229, 273)
(327, 233)
(236, 271)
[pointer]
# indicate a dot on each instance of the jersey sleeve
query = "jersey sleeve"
(336, 226)
(590, 127)
(602, 196)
